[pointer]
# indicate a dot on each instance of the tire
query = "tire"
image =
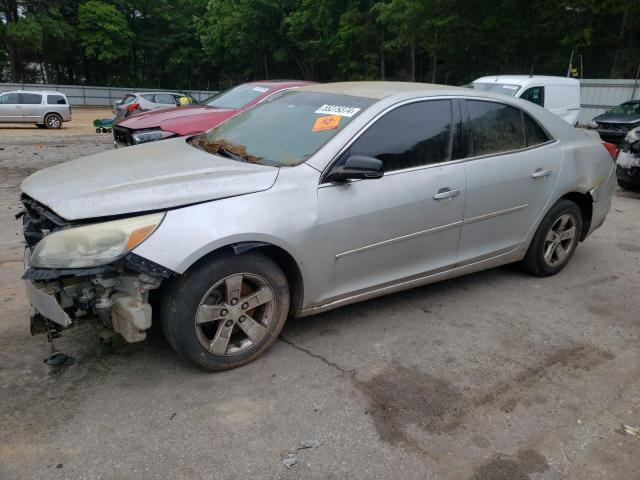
(559, 251)
(217, 329)
(53, 120)
(40, 125)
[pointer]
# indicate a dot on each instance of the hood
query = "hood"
(181, 120)
(618, 118)
(147, 177)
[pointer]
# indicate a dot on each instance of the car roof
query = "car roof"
(33, 91)
(525, 79)
(376, 90)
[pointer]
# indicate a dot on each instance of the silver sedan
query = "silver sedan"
(317, 198)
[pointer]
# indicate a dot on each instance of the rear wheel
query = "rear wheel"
(53, 120)
(555, 241)
(227, 311)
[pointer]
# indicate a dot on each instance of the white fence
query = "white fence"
(95, 96)
(599, 95)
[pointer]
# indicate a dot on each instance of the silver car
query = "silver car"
(134, 103)
(316, 198)
(45, 109)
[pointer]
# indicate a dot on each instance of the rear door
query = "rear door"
(32, 108)
(10, 108)
(512, 169)
(406, 224)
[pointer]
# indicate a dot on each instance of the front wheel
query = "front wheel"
(227, 311)
(555, 241)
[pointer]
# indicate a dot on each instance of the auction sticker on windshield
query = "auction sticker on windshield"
(342, 110)
(326, 123)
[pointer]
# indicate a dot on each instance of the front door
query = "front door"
(406, 224)
(511, 173)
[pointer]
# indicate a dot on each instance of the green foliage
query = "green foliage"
(103, 31)
(217, 43)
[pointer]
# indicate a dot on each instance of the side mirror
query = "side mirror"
(355, 168)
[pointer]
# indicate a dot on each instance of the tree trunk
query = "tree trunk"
(382, 66)
(266, 66)
(434, 64)
(413, 61)
(11, 15)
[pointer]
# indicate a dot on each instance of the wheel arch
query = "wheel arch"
(279, 255)
(585, 203)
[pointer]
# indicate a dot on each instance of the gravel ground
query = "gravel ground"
(493, 376)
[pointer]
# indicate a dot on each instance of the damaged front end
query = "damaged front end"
(628, 165)
(76, 270)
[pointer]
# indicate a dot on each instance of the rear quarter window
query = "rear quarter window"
(494, 128)
(56, 100)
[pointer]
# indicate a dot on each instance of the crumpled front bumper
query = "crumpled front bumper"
(44, 301)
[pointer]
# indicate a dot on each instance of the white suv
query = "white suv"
(45, 109)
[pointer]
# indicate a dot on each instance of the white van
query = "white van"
(560, 95)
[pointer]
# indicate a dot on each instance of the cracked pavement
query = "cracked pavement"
(492, 376)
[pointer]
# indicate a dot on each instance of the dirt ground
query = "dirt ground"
(493, 376)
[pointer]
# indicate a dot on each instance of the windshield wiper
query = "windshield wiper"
(229, 154)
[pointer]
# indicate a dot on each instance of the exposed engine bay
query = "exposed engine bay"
(117, 294)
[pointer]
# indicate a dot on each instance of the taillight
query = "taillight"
(132, 107)
(612, 149)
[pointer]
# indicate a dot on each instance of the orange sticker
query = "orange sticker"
(326, 123)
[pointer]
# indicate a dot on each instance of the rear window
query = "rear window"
(127, 99)
(30, 98)
(501, 88)
(237, 97)
(284, 130)
(56, 100)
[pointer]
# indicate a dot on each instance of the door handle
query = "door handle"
(540, 172)
(446, 193)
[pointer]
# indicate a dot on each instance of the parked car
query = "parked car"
(559, 95)
(318, 197)
(614, 125)
(136, 103)
(196, 119)
(628, 165)
(45, 109)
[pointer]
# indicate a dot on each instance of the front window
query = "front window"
(9, 99)
(236, 97)
(629, 108)
(285, 130)
(495, 87)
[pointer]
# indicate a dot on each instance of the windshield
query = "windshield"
(236, 97)
(285, 130)
(501, 88)
(629, 108)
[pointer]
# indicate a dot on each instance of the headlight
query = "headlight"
(633, 136)
(592, 124)
(93, 245)
(145, 136)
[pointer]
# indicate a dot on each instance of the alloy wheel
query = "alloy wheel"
(235, 314)
(561, 240)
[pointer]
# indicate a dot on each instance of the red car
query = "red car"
(194, 119)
